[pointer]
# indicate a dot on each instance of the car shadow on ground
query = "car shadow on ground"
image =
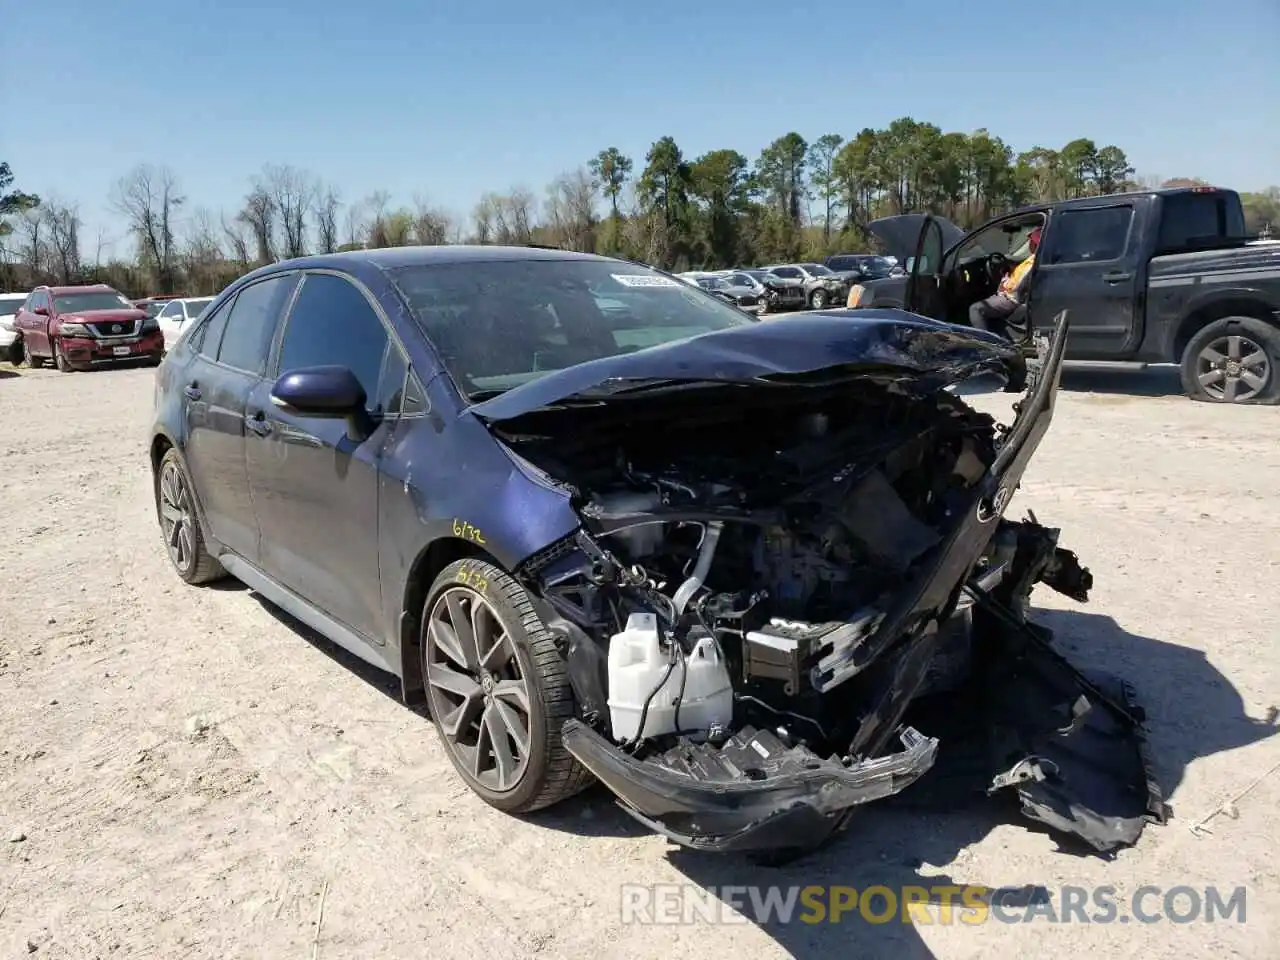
(6, 374)
(1193, 711)
(1156, 381)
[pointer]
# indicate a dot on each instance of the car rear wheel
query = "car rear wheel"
(498, 689)
(29, 358)
(1233, 360)
(183, 540)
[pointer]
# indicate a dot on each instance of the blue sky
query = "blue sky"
(450, 99)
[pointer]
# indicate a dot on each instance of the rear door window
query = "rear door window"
(1093, 235)
(251, 323)
(1189, 220)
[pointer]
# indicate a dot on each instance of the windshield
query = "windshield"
(98, 300)
(500, 324)
(10, 305)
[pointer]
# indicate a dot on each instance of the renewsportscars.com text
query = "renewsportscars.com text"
(676, 903)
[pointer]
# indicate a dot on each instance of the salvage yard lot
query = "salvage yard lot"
(196, 775)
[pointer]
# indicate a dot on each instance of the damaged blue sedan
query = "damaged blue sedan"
(612, 528)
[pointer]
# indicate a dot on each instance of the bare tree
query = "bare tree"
(259, 214)
(327, 205)
(33, 247)
(570, 211)
(377, 231)
(237, 242)
(62, 224)
(483, 215)
(148, 199)
(513, 216)
(293, 192)
(355, 227)
(431, 225)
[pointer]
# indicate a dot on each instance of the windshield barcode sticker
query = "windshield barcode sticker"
(643, 280)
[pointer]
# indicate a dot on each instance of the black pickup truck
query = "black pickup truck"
(1165, 276)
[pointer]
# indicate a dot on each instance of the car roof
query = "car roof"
(390, 258)
(80, 288)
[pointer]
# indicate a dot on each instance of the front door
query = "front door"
(1088, 264)
(924, 294)
(315, 487)
(35, 326)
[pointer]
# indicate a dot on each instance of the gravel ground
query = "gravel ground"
(195, 775)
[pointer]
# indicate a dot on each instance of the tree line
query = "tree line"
(796, 200)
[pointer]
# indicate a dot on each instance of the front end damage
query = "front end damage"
(834, 547)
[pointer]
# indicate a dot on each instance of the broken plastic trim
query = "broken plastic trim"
(797, 809)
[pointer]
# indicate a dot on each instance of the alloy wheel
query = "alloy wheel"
(819, 300)
(176, 518)
(479, 694)
(1233, 369)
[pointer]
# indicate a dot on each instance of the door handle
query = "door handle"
(258, 423)
(192, 392)
(1117, 276)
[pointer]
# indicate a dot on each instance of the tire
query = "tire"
(60, 359)
(15, 353)
(189, 555)
(30, 359)
(818, 299)
(464, 709)
(1233, 360)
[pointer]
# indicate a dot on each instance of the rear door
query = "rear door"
(1089, 264)
(315, 488)
(231, 357)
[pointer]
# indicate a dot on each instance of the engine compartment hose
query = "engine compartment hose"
(706, 554)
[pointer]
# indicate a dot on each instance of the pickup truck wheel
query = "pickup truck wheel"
(497, 689)
(1233, 360)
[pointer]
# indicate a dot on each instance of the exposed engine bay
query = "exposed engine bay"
(766, 580)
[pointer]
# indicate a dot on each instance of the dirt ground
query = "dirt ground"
(197, 776)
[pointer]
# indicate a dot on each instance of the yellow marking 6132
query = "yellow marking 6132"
(474, 579)
(467, 531)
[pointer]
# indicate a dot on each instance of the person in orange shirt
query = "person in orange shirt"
(990, 314)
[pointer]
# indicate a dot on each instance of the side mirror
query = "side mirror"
(41, 311)
(331, 392)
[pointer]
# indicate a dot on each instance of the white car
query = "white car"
(177, 316)
(10, 303)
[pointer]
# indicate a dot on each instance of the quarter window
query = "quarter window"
(209, 337)
(333, 323)
(252, 323)
(1089, 236)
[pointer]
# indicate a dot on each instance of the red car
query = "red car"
(78, 328)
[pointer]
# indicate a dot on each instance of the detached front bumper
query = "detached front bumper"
(791, 799)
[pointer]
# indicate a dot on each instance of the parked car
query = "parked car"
(781, 294)
(79, 327)
(745, 296)
(154, 304)
(856, 267)
(10, 342)
(821, 286)
(630, 543)
(1163, 276)
(176, 316)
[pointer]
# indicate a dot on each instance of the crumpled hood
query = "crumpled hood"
(900, 235)
(893, 342)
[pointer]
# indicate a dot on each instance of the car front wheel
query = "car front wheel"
(497, 688)
(818, 300)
